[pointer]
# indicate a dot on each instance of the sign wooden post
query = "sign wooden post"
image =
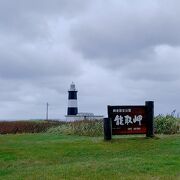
(129, 120)
(150, 118)
(107, 129)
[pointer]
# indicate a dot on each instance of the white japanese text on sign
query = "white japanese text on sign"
(126, 120)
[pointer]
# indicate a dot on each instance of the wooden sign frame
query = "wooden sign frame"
(123, 120)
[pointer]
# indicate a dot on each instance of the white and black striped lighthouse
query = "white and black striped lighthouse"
(72, 101)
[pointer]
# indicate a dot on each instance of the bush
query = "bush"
(62, 129)
(82, 128)
(88, 128)
(166, 124)
(13, 127)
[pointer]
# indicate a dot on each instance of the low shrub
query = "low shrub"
(61, 129)
(13, 127)
(88, 128)
(166, 124)
(82, 128)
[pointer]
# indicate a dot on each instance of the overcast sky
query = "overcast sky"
(118, 52)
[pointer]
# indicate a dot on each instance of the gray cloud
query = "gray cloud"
(32, 63)
(122, 32)
(164, 66)
(29, 19)
(117, 52)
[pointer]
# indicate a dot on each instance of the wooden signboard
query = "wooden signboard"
(129, 120)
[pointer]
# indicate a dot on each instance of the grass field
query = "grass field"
(47, 156)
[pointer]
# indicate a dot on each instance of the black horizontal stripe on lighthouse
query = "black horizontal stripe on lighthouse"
(72, 95)
(72, 111)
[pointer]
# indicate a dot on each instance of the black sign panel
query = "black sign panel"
(128, 119)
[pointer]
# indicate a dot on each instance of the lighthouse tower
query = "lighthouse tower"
(72, 101)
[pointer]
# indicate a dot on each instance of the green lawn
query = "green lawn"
(47, 156)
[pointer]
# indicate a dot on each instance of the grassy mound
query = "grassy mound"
(162, 125)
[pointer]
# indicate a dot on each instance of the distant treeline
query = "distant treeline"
(13, 127)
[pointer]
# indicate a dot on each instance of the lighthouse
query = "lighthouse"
(72, 101)
(72, 110)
